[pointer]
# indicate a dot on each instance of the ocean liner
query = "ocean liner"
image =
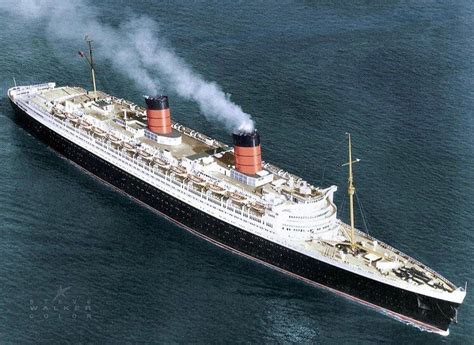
(230, 197)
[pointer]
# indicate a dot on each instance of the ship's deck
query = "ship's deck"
(107, 109)
(377, 258)
(189, 146)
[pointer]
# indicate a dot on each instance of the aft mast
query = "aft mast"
(90, 60)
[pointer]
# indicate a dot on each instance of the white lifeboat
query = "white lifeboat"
(259, 208)
(239, 198)
(59, 114)
(196, 180)
(114, 139)
(86, 125)
(162, 163)
(216, 189)
(145, 155)
(74, 119)
(99, 132)
(129, 148)
(180, 171)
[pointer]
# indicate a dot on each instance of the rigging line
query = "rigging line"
(104, 81)
(362, 213)
(95, 67)
(327, 154)
(87, 64)
(341, 208)
(366, 220)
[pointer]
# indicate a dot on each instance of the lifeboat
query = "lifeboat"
(99, 132)
(197, 180)
(114, 139)
(145, 155)
(180, 171)
(75, 120)
(216, 189)
(162, 163)
(259, 208)
(129, 148)
(237, 197)
(59, 114)
(86, 125)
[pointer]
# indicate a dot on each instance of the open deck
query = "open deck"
(378, 258)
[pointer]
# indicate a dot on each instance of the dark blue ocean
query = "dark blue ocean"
(398, 75)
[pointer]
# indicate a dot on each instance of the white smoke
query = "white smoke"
(136, 50)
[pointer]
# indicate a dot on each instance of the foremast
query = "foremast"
(351, 192)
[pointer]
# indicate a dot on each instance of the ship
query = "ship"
(229, 196)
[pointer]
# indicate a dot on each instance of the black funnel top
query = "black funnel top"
(157, 103)
(251, 139)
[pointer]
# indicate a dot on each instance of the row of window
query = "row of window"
(305, 229)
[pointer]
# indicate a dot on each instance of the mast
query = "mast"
(91, 63)
(351, 191)
(89, 42)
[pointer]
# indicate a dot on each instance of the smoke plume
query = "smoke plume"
(135, 49)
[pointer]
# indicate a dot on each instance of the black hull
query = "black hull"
(426, 312)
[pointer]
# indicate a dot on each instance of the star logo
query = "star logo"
(61, 292)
